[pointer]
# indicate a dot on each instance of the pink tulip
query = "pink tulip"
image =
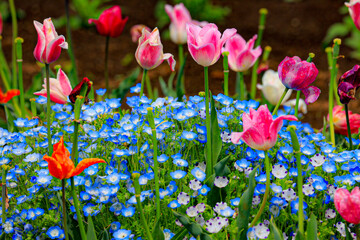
(259, 129)
(60, 88)
(354, 10)
(136, 31)
(348, 204)
(179, 17)
(242, 56)
(205, 43)
(49, 44)
(339, 119)
(298, 75)
(149, 53)
(110, 22)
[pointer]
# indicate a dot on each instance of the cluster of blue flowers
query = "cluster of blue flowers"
(123, 140)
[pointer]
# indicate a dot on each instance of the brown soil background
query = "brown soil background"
(292, 28)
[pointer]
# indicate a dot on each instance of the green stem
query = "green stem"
(209, 166)
(143, 83)
(3, 195)
(14, 35)
(149, 88)
(156, 164)
(33, 107)
(19, 60)
(280, 101)
(74, 80)
(226, 73)
(181, 62)
(348, 127)
(328, 51)
(263, 12)
(297, 103)
(240, 78)
(135, 177)
(106, 66)
(77, 209)
(64, 209)
(4, 69)
(267, 190)
(48, 109)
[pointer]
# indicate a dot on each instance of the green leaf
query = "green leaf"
(311, 230)
(245, 206)
(125, 85)
(10, 120)
(274, 231)
(179, 89)
(105, 235)
(221, 169)
(216, 142)
(348, 235)
(180, 234)
(91, 234)
(157, 232)
(336, 30)
(193, 227)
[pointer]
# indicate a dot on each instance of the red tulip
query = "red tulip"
(348, 204)
(110, 22)
(77, 89)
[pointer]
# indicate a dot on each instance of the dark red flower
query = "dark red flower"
(349, 82)
(77, 89)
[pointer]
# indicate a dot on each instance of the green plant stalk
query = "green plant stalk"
(328, 51)
(263, 12)
(156, 164)
(48, 108)
(226, 72)
(14, 35)
(137, 196)
(149, 88)
(143, 83)
(74, 80)
(280, 101)
(5, 74)
(209, 165)
(348, 127)
(64, 209)
(106, 66)
(240, 77)
(267, 190)
(181, 62)
(33, 107)
(336, 49)
(3, 195)
(19, 60)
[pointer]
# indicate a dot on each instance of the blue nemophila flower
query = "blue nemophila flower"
(188, 135)
(114, 226)
(276, 188)
(174, 204)
(88, 209)
(204, 190)
(34, 157)
(84, 196)
(55, 233)
(114, 102)
(227, 212)
(235, 201)
(178, 174)
(136, 88)
(180, 162)
(4, 160)
(128, 212)
(100, 91)
(198, 174)
(295, 206)
(122, 234)
(92, 170)
(44, 180)
(162, 158)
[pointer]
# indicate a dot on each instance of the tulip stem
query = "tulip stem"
(241, 85)
(77, 209)
(297, 103)
(149, 88)
(48, 109)
(19, 60)
(209, 166)
(348, 127)
(64, 209)
(267, 190)
(143, 83)
(226, 73)
(280, 101)
(106, 66)
(4, 70)
(14, 35)
(181, 62)
(3, 195)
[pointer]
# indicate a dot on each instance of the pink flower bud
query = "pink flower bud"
(298, 75)
(354, 10)
(49, 44)
(149, 53)
(242, 56)
(136, 31)
(179, 17)
(348, 204)
(205, 43)
(110, 22)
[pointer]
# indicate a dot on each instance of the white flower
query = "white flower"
(201, 207)
(195, 185)
(183, 198)
(221, 182)
(302, 105)
(317, 160)
(330, 213)
(272, 87)
(192, 211)
(289, 194)
(256, 200)
(261, 231)
(220, 206)
(279, 171)
(308, 189)
(214, 225)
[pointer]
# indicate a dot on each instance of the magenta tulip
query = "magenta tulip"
(354, 10)
(349, 82)
(298, 75)
(49, 44)
(242, 55)
(179, 17)
(205, 43)
(348, 204)
(259, 129)
(149, 53)
(60, 88)
(110, 22)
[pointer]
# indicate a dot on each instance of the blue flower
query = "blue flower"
(174, 204)
(178, 174)
(198, 174)
(101, 91)
(54, 232)
(136, 88)
(188, 135)
(128, 212)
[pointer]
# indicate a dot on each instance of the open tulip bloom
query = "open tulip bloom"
(179, 17)
(339, 119)
(348, 204)
(354, 10)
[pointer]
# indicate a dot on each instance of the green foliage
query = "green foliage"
(311, 230)
(125, 85)
(91, 234)
(275, 233)
(158, 232)
(194, 228)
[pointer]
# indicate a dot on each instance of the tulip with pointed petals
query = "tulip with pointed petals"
(5, 97)
(205, 43)
(242, 55)
(60, 88)
(179, 17)
(110, 22)
(354, 10)
(339, 119)
(259, 129)
(348, 204)
(61, 166)
(349, 82)
(149, 53)
(298, 75)
(49, 44)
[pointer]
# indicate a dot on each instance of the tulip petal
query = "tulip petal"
(54, 166)
(171, 60)
(203, 55)
(236, 137)
(228, 33)
(40, 45)
(118, 27)
(85, 164)
(254, 139)
(311, 93)
(4, 98)
(64, 82)
(53, 50)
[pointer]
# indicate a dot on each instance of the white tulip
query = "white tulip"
(302, 105)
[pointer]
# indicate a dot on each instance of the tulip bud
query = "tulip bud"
(179, 17)
(77, 89)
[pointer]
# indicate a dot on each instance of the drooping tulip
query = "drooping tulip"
(242, 55)
(49, 44)
(110, 22)
(349, 82)
(136, 31)
(272, 86)
(259, 129)
(61, 166)
(298, 75)
(179, 16)
(348, 204)
(77, 89)
(339, 119)
(149, 53)
(60, 88)
(5, 97)
(354, 10)
(205, 43)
